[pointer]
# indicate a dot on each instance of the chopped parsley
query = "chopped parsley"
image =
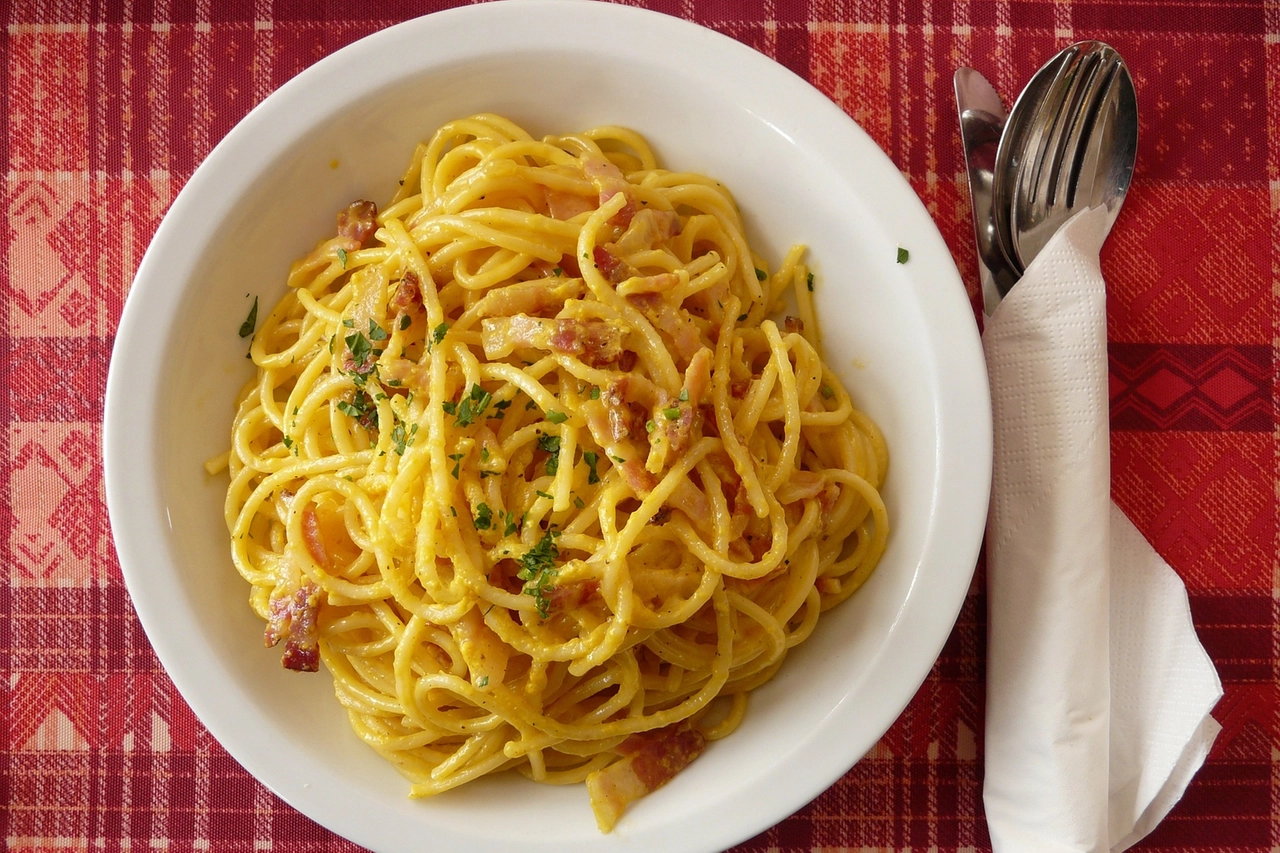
(809, 282)
(438, 333)
(342, 257)
(650, 426)
(557, 272)
(401, 439)
(761, 275)
(543, 494)
(827, 391)
(551, 444)
(671, 412)
(482, 682)
(484, 517)
(250, 322)
(500, 408)
(557, 417)
(591, 459)
(469, 408)
(361, 350)
(579, 502)
(510, 523)
(405, 321)
(595, 393)
(684, 395)
(457, 463)
(361, 409)
(376, 332)
(903, 255)
(538, 571)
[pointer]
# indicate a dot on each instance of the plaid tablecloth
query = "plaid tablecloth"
(107, 110)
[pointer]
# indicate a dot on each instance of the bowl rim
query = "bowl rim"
(131, 408)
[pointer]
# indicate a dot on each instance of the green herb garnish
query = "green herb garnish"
(591, 459)
(484, 517)
(538, 571)
(250, 322)
(557, 417)
(551, 444)
(903, 255)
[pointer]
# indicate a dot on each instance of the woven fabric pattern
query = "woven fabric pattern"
(107, 109)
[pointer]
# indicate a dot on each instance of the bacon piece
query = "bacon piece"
(408, 296)
(312, 538)
(650, 760)
(609, 181)
(358, 222)
(571, 596)
(735, 491)
(801, 485)
(293, 619)
(564, 205)
(402, 373)
(528, 297)
(596, 341)
(626, 416)
(669, 320)
(635, 476)
(485, 654)
(647, 229)
(690, 500)
(610, 265)
(675, 418)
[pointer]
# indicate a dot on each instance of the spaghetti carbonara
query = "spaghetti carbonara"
(529, 467)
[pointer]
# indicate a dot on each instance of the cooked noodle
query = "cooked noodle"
(528, 465)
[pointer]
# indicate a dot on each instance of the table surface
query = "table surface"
(108, 112)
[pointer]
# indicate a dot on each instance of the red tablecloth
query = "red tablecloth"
(108, 111)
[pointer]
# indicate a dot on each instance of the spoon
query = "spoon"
(1070, 144)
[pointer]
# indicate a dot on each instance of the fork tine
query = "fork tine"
(1066, 131)
(1082, 154)
(1026, 179)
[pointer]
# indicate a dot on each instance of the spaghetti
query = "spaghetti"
(529, 467)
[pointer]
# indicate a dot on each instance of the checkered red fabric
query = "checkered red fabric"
(107, 110)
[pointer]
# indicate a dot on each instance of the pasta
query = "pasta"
(527, 465)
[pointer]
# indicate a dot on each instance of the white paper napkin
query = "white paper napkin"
(1098, 690)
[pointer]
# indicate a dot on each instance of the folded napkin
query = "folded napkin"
(1098, 690)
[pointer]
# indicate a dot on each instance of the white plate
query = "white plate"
(902, 336)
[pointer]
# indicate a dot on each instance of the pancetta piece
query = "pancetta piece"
(649, 761)
(609, 181)
(595, 341)
(358, 222)
(294, 619)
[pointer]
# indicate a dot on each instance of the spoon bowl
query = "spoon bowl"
(1070, 144)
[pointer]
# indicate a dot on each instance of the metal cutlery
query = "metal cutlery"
(982, 121)
(1068, 144)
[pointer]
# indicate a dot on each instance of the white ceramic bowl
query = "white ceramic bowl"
(902, 336)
